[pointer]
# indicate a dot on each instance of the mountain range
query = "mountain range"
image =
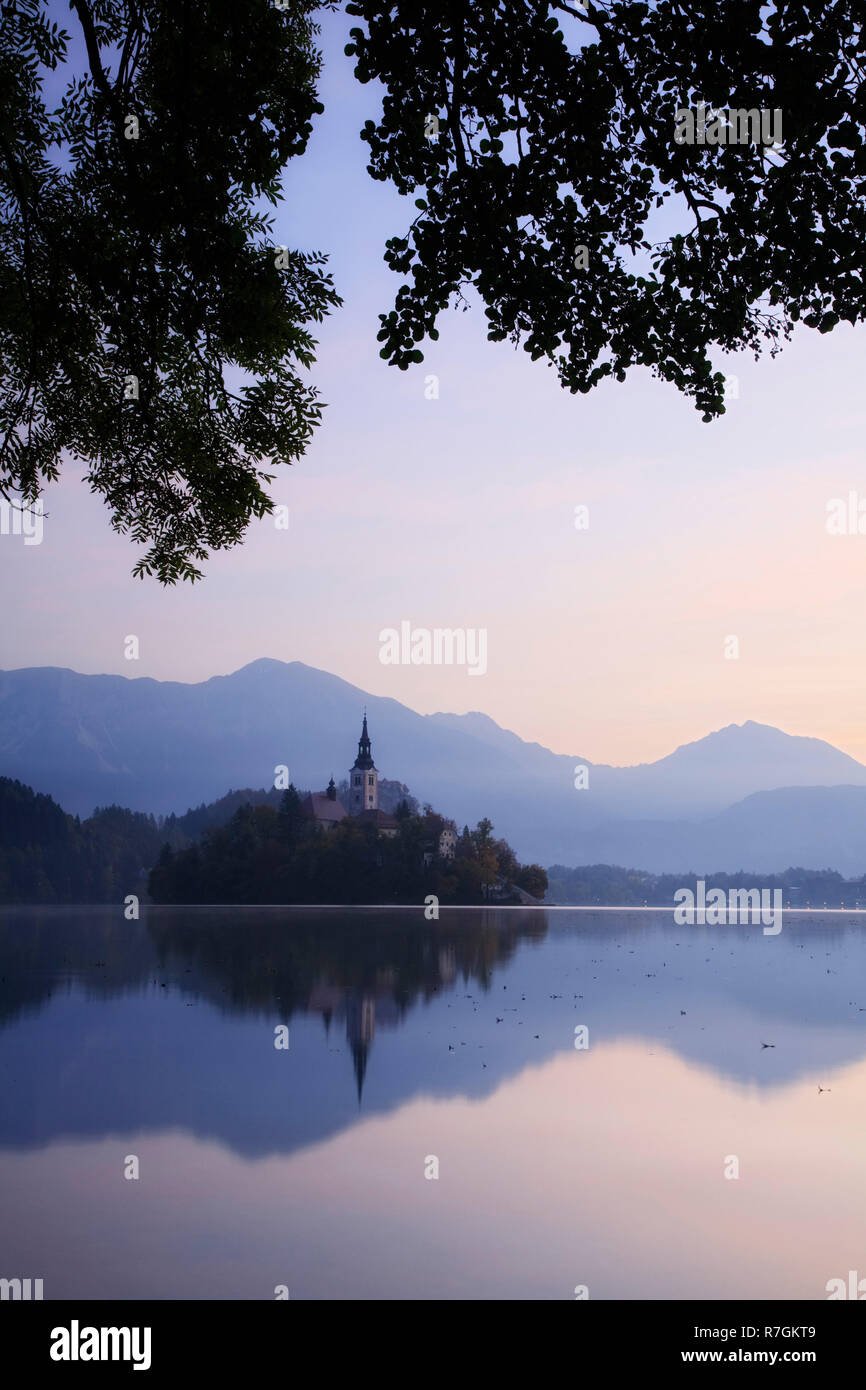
(744, 797)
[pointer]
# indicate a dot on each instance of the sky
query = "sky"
(612, 641)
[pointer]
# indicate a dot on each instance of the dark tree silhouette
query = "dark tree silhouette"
(148, 324)
(291, 817)
(533, 130)
(150, 328)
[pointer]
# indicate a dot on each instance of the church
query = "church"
(364, 788)
(326, 809)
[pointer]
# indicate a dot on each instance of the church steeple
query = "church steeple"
(365, 757)
(363, 777)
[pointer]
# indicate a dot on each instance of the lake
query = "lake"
(214, 1103)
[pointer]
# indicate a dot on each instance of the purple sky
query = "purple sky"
(459, 513)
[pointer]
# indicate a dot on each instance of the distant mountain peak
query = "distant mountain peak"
(776, 742)
(262, 663)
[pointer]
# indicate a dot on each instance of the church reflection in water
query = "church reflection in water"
(170, 1020)
(363, 1011)
(358, 969)
(362, 969)
(409, 1038)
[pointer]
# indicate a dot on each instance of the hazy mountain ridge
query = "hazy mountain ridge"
(824, 827)
(163, 746)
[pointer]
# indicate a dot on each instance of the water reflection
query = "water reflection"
(410, 1038)
(108, 1025)
(117, 1049)
(360, 970)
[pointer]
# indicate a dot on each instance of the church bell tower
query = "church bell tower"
(363, 777)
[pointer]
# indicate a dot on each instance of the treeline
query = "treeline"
(47, 856)
(265, 855)
(247, 847)
(256, 846)
(610, 886)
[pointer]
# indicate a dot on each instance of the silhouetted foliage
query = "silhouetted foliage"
(254, 852)
(263, 856)
(183, 830)
(554, 130)
(133, 247)
(47, 856)
(272, 852)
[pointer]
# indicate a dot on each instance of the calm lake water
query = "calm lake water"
(410, 1041)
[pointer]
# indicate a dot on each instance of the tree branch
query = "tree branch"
(93, 55)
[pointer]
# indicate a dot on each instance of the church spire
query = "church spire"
(364, 759)
(363, 777)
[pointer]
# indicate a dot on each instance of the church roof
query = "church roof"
(320, 806)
